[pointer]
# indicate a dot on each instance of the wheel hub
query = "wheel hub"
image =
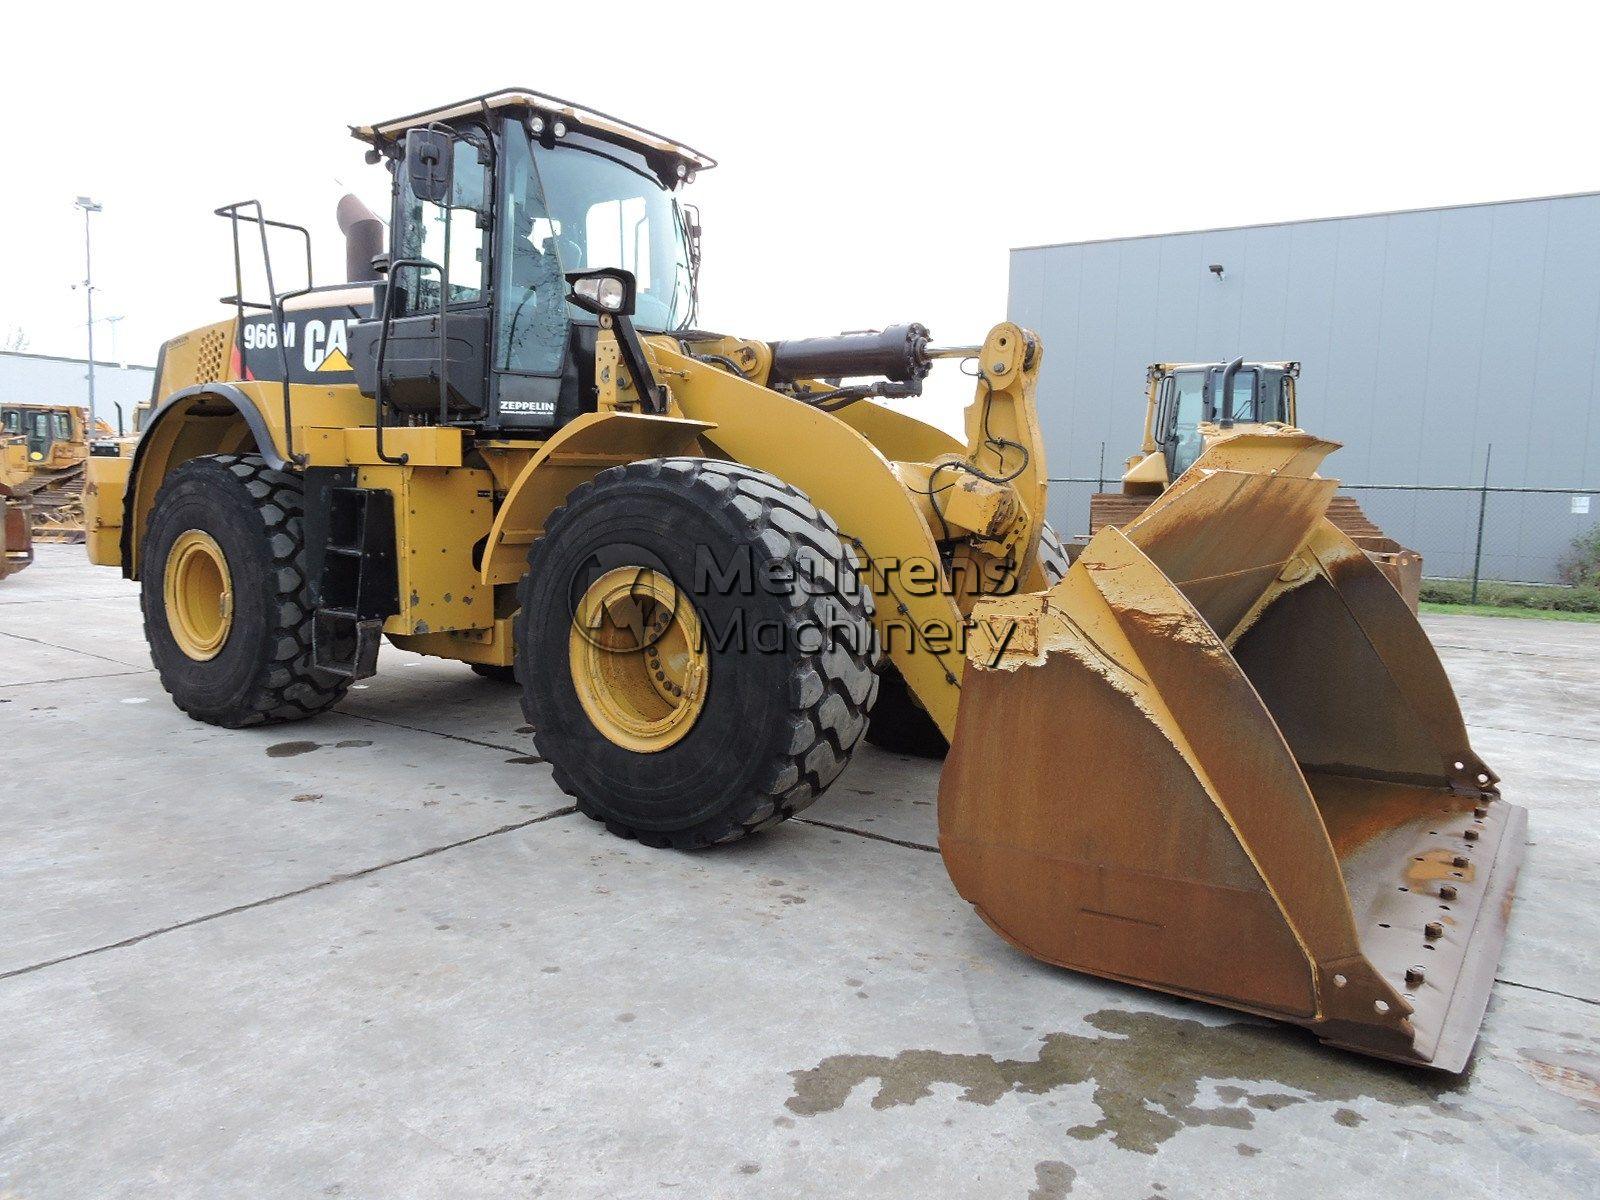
(198, 591)
(638, 661)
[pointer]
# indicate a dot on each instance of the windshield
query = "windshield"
(579, 205)
(604, 211)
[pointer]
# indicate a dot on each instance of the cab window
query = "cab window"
(425, 225)
(1244, 397)
(1183, 443)
(531, 317)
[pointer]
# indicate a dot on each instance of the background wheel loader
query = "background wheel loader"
(1184, 411)
(1217, 756)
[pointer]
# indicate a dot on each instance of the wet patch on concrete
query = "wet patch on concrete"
(1147, 1076)
(292, 749)
(1052, 1180)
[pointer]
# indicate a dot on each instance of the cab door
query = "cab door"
(453, 236)
(531, 364)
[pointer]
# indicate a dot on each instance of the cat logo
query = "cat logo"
(326, 346)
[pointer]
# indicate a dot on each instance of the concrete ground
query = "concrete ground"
(377, 955)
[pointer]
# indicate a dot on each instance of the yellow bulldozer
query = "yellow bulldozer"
(1188, 405)
(42, 452)
(1217, 756)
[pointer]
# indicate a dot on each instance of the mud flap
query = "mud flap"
(1222, 759)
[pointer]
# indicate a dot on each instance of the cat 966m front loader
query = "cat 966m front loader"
(707, 561)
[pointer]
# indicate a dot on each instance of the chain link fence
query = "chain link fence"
(1475, 531)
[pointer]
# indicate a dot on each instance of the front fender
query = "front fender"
(582, 449)
(209, 418)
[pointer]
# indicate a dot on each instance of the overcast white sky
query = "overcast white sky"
(878, 160)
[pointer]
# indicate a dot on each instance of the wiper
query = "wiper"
(656, 183)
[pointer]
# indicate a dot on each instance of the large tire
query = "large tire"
(1052, 555)
(262, 672)
(777, 722)
(901, 725)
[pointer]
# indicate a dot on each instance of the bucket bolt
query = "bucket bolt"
(1433, 931)
(1414, 976)
(1447, 892)
(1460, 860)
(1471, 835)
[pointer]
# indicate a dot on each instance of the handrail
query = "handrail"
(274, 300)
(386, 318)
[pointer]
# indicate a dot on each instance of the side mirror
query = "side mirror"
(608, 292)
(429, 156)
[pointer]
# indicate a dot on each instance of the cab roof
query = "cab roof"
(551, 107)
(1271, 365)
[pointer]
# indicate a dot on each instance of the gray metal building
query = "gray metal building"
(50, 379)
(1425, 338)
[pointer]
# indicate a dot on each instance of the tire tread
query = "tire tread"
(833, 688)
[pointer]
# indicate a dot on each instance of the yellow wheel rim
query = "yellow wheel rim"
(638, 661)
(198, 591)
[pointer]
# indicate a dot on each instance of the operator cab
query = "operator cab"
(496, 200)
(1191, 393)
(41, 427)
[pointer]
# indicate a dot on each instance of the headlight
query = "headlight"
(604, 291)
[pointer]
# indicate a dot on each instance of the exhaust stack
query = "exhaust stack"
(364, 238)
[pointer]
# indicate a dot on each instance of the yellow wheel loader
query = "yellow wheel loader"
(1217, 756)
(1184, 412)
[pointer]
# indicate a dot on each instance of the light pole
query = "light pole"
(89, 206)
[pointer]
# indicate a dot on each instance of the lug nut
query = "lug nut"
(1471, 835)
(1447, 892)
(1459, 860)
(1414, 975)
(1480, 812)
(1433, 930)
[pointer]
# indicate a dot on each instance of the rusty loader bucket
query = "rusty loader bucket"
(1222, 759)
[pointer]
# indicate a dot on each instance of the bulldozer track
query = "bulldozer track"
(56, 500)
